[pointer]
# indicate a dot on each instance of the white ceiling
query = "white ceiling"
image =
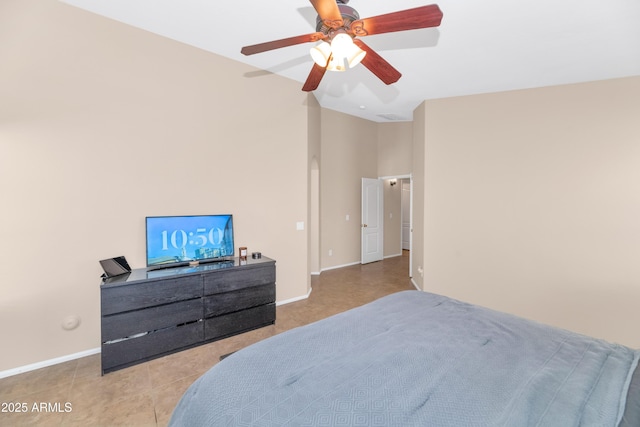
(480, 47)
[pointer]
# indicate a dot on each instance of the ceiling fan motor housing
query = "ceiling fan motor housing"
(348, 13)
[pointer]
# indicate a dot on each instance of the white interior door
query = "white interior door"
(372, 220)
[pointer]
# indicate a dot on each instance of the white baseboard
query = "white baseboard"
(300, 298)
(415, 284)
(340, 266)
(50, 362)
(353, 263)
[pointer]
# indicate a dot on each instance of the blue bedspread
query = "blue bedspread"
(416, 359)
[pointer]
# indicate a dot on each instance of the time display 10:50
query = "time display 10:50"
(179, 239)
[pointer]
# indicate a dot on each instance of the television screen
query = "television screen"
(182, 239)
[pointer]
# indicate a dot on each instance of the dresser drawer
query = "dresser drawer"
(229, 302)
(240, 321)
(237, 279)
(141, 295)
(134, 350)
(124, 325)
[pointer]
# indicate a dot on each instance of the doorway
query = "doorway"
(395, 217)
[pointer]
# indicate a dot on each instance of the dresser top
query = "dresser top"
(147, 274)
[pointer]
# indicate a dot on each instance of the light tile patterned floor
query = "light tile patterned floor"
(144, 395)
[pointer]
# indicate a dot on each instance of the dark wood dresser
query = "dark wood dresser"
(149, 314)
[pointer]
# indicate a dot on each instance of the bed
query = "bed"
(418, 359)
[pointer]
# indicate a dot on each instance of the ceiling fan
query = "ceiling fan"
(338, 27)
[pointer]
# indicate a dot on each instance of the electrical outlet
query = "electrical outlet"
(330, 252)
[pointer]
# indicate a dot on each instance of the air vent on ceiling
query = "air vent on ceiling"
(391, 117)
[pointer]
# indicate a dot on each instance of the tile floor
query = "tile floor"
(144, 395)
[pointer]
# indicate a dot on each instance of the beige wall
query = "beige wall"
(419, 196)
(395, 153)
(101, 125)
(353, 148)
(314, 139)
(349, 153)
(395, 150)
(532, 204)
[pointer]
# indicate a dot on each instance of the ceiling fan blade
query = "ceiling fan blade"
(378, 65)
(277, 44)
(329, 12)
(410, 19)
(316, 74)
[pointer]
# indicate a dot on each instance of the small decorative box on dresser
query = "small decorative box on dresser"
(147, 314)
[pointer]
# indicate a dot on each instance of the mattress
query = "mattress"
(419, 359)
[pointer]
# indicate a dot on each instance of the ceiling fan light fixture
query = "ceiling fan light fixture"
(336, 64)
(343, 49)
(341, 45)
(354, 55)
(321, 53)
(341, 54)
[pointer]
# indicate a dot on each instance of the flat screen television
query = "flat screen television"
(179, 240)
